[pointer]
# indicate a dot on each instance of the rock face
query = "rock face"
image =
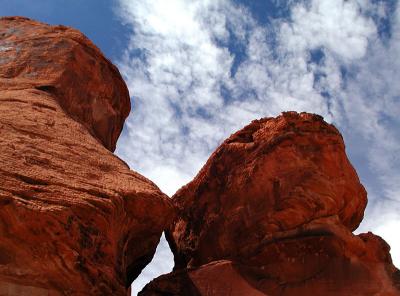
(275, 175)
(74, 220)
(64, 63)
(272, 213)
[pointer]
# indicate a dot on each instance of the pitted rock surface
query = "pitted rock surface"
(274, 175)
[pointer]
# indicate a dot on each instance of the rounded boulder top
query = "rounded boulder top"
(63, 62)
(274, 175)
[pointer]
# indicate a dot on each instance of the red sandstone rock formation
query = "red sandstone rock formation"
(74, 220)
(276, 202)
(271, 213)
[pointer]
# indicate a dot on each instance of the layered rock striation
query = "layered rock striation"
(272, 213)
(74, 219)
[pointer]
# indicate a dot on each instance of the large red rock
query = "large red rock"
(274, 175)
(74, 219)
(63, 62)
(277, 202)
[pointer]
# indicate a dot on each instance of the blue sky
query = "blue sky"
(199, 70)
(95, 18)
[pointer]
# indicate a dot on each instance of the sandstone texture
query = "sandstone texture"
(74, 219)
(272, 213)
(273, 177)
(62, 62)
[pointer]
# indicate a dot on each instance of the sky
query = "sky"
(198, 71)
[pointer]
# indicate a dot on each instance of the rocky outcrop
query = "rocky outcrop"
(272, 213)
(62, 62)
(74, 220)
(273, 176)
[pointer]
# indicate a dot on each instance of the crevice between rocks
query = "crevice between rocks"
(163, 262)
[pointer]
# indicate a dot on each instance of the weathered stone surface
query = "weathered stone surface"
(336, 263)
(274, 175)
(323, 259)
(277, 202)
(63, 62)
(215, 278)
(74, 220)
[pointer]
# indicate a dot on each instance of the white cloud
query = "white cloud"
(335, 25)
(376, 109)
(180, 62)
(176, 85)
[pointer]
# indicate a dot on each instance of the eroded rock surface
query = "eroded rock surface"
(63, 62)
(74, 220)
(277, 202)
(273, 176)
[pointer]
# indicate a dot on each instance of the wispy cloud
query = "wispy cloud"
(199, 70)
(174, 69)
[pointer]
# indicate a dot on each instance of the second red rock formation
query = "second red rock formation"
(272, 213)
